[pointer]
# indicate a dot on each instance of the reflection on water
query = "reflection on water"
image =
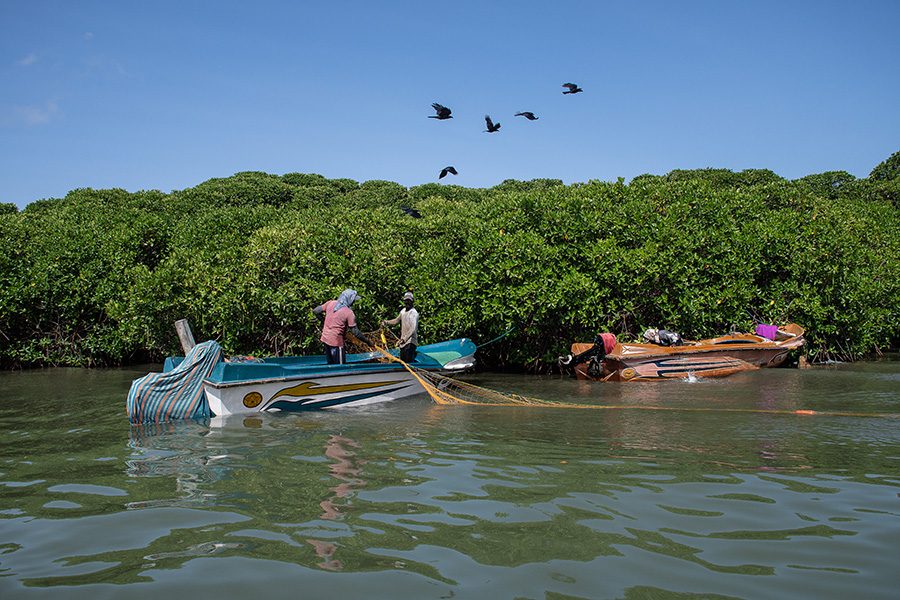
(344, 468)
(434, 501)
(339, 449)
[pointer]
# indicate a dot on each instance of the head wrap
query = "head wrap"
(347, 298)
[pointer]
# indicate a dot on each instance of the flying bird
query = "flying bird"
(442, 112)
(491, 128)
(411, 212)
(528, 115)
(573, 88)
(446, 170)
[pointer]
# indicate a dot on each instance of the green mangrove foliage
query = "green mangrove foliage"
(99, 277)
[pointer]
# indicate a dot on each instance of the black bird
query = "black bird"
(442, 112)
(411, 212)
(446, 170)
(491, 128)
(528, 115)
(573, 88)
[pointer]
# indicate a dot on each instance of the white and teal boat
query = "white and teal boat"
(203, 384)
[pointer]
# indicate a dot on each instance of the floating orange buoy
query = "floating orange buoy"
(804, 412)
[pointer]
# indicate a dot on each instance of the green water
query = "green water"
(414, 500)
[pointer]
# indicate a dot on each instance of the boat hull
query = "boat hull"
(314, 392)
(676, 367)
(292, 384)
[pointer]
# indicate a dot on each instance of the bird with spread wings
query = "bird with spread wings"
(442, 112)
(491, 126)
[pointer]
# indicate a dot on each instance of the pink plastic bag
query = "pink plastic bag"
(769, 332)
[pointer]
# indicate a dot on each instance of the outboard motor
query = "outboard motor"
(603, 345)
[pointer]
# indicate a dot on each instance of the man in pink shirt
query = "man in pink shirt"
(339, 318)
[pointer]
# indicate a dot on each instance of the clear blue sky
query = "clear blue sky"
(164, 95)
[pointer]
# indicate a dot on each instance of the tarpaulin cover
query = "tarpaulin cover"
(177, 394)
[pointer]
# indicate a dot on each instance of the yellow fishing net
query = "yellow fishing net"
(442, 389)
(379, 338)
(447, 390)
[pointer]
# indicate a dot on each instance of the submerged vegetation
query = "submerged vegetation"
(99, 277)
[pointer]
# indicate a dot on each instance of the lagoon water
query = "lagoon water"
(729, 496)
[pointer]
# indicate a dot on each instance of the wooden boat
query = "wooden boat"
(716, 357)
(299, 383)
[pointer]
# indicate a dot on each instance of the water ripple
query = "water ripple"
(416, 500)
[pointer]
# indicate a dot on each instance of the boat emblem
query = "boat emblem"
(252, 400)
(627, 373)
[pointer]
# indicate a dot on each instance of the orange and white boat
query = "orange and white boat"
(716, 357)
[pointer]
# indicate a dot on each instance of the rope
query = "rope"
(495, 398)
(499, 337)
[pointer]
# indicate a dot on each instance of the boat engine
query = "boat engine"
(603, 343)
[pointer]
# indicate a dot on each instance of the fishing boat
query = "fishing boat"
(202, 383)
(716, 357)
(306, 382)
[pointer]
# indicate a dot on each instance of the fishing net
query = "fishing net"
(381, 337)
(442, 389)
(447, 390)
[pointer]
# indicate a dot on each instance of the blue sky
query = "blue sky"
(164, 95)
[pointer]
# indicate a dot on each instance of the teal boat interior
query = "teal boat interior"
(455, 354)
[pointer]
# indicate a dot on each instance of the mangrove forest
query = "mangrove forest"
(99, 277)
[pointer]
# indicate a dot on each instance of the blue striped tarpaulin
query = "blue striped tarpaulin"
(178, 394)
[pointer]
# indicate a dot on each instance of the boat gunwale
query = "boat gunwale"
(313, 374)
(652, 351)
(723, 344)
